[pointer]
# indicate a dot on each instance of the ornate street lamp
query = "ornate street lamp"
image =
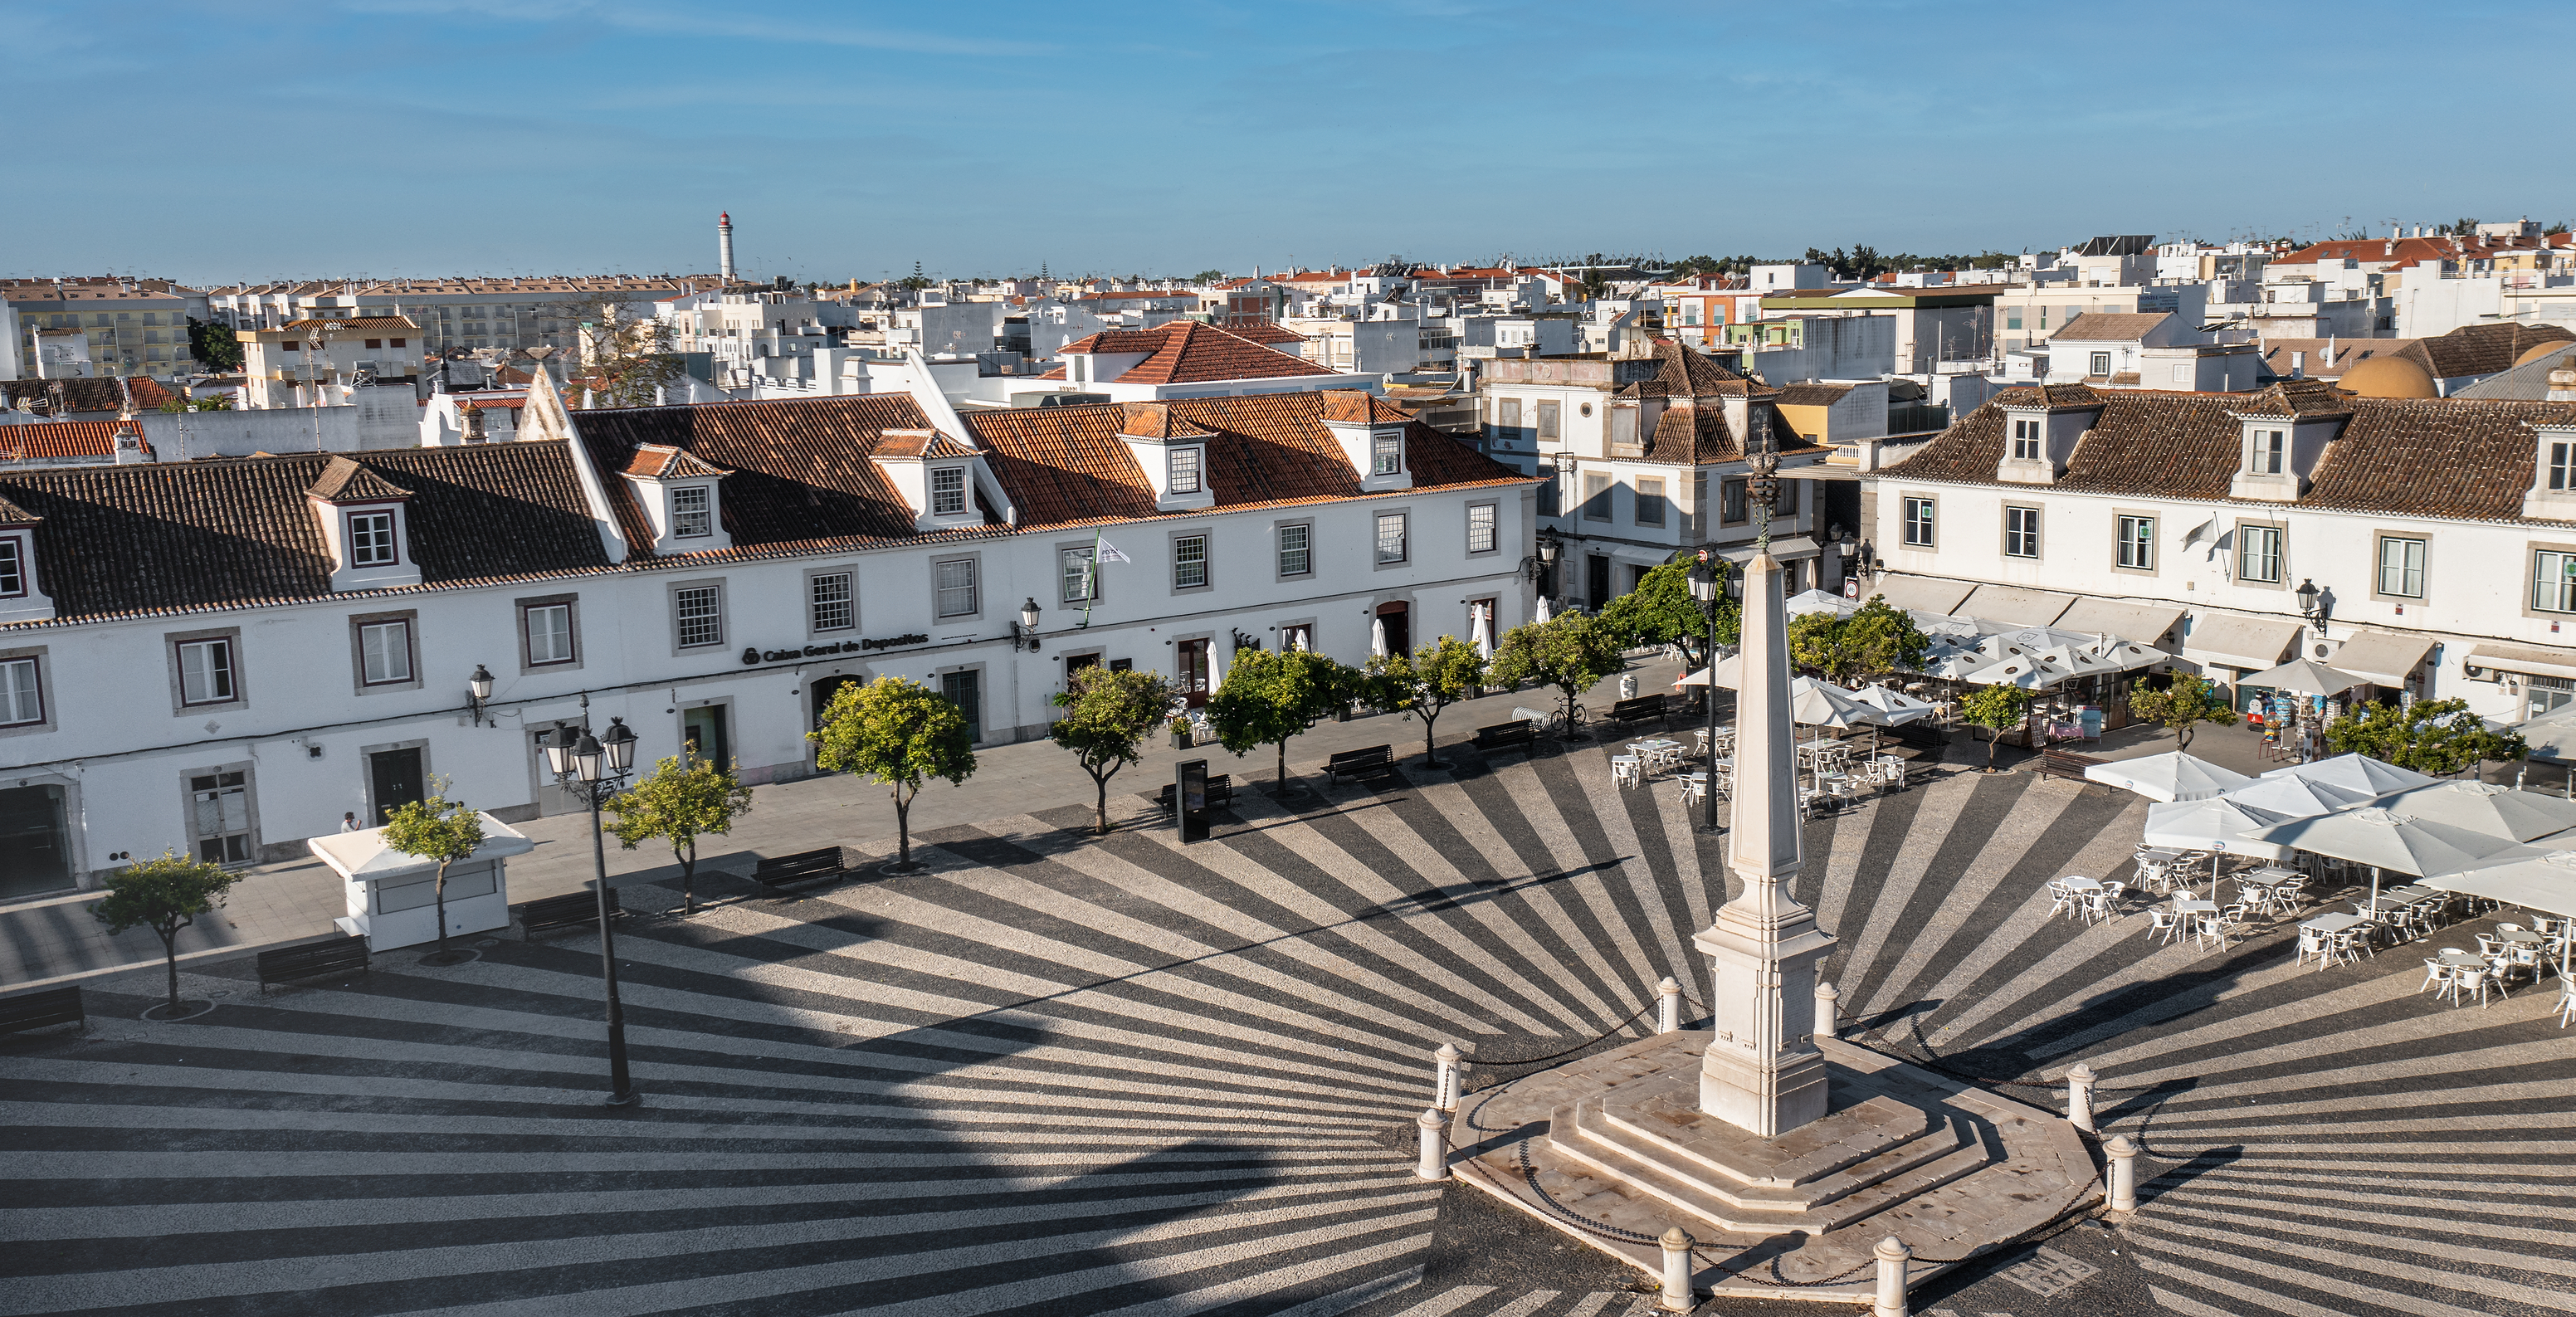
(1707, 578)
(478, 688)
(1537, 565)
(595, 767)
(1025, 631)
(2308, 608)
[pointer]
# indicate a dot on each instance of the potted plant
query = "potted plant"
(1180, 732)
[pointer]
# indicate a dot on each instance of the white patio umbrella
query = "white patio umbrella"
(2125, 655)
(2170, 776)
(1377, 637)
(2525, 876)
(1899, 707)
(2027, 671)
(1730, 674)
(2357, 772)
(2296, 797)
(1952, 661)
(1482, 618)
(2385, 839)
(1814, 703)
(1819, 601)
(1544, 612)
(2214, 825)
(2486, 808)
(2301, 677)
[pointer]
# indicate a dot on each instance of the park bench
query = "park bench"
(1514, 735)
(2067, 765)
(568, 911)
(37, 1010)
(783, 871)
(1361, 765)
(307, 960)
(1643, 709)
(1220, 791)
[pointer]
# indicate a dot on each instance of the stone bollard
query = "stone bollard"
(1677, 1270)
(1444, 1084)
(2124, 1173)
(1668, 1010)
(1829, 1010)
(2079, 1097)
(1892, 1256)
(1435, 1146)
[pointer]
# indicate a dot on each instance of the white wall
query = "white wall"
(383, 417)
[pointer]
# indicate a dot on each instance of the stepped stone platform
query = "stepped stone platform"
(1613, 1150)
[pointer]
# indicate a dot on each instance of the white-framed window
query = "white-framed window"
(2258, 554)
(1184, 468)
(13, 565)
(1390, 537)
(2553, 581)
(1918, 522)
(206, 671)
(956, 588)
(1296, 550)
(1650, 501)
(2021, 532)
(22, 695)
(1189, 562)
(947, 491)
(384, 653)
(2025, 439)
(1081, 576)
(2182, 372)
(690, 509)
(832, 600)
(548, 628)
(2562, 466)
(371, 539)
(1386, 455)
(1482, 536)
(2137, 548)
(2401, 566)
(698, 611)
(2264, 456)
(2101, 363)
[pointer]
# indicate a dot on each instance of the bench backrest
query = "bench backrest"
(1501, 731)
(1371, 755)
(803, 861)
(33, 1010)
(338, 949)
(1643, 704)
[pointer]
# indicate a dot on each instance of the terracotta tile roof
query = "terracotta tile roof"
(920, 443)
(1147, 420)
(346, 481)
(1067, 465)
(361, 325)
(2049, 395)
(2385, 251)
(1113, 342)
(1362, 409)
(1812, 395)
(2111, 327)
(1056, 374)
(2487, 349)
(662, 462)
(2297, 397)
(53, 439)
(173, 537)
(1267, 332)
(2348, 353)
(1189, 352)
(801, 468)
(90, 394)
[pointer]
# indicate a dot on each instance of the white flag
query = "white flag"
(1107, 552)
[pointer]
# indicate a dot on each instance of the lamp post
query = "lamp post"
(1706, 580)
(2308, 608)
(478, 688)
(1537, 565)
(1025, 631)
(596, 768)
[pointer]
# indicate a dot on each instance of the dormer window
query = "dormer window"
(13, 566)
(2265, 455)
(2562, 467)
(692, 507)
(1185, 464)
(1386, 454)
(2026, 440)
(948, 491)
(371, 540)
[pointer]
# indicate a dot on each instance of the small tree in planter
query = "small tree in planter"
(1270, 695)
(1998, 709)
(165, 895)
(1107, 716)
(2190, 700)
(441, 830)
(678, 801)
(897, 734)
(1425, 682)
(1569, 651)
(2441, 737)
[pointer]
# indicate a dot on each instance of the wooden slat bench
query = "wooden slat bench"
(1375, 762)
(307, 960)
(1643, 709)
(1220, 791)
(571, 910)
(779, 872)
(41, 1009)
(2067, 765)
(1514, 735)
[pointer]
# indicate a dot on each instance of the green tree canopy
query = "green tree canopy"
(214, 344)
(1875, 640)
(683, 798)
(1107, 716)
(1998, 709)
(1426, 681)
(435, 829)
(2441, 737)
(1569, 652)
(164, 894)
(2189, 701)
(898, 734)
(1660, 611)
(1270, 695)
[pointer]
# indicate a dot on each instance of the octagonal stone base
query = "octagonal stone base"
(1613, 1151)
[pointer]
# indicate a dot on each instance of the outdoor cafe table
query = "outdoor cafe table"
(2334, 923)
(2267, 875)
(2458, 959)
(2523, 937)
(2195, 907)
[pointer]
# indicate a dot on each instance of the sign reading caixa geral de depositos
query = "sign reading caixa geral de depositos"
(758, 656)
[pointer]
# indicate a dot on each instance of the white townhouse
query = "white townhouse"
(2438, 535)
(221, 657)
(1644, 456)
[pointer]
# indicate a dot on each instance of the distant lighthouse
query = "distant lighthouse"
(724, 245)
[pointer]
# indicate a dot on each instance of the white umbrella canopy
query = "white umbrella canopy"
(2484, 807)
(1952, 661)
(1814, 703)
(1544, 612)
(2124, 655)
(2357, 772)
(1481, 619)
(2296, 797)
(2078, 660)
(1377, 637)
(1730, 674)
(1899, 707)
(2301, 677)
(2027, 671)
(2385, 839)
(2525, 876)
(1820, 601)
(2170, 776)
(2215, 824)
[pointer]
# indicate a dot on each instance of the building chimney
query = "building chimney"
(2562, 379)
(724, 245)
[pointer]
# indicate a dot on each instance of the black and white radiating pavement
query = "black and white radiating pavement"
(1123, 1076)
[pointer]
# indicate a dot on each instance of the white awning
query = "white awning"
(2517, 658)
(2017, 604)
(1928, 594)
(1641, 555)
(2384, 658)
(1784, 548)
(2144, 623)
(2252, 643)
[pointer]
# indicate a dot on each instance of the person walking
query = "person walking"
(349, 821)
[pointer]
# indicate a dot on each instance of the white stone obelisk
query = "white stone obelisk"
(1762, 1072)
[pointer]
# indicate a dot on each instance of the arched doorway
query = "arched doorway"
(1396, 618)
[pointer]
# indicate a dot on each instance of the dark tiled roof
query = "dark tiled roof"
(345, 481)
(2049, 395)
(168, 537)
(1812, 395)
(2489, 348)
(2348, 353)
(13, 515)
(2297, 397)
(801, 468)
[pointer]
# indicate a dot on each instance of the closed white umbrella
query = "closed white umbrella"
(2170, 776)
(1377, 637)
(2301, 677)
(1544, 612)
(1484, 624)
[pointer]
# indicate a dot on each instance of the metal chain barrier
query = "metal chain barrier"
(1621, 1027)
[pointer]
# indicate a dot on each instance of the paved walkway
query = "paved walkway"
(57, 940)
(1076, 1076)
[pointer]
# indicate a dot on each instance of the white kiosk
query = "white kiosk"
(393, 897)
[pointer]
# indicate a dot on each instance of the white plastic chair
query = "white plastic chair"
(2162, 920)
(2469, 980)
(2061, 898)
(1625, 770)
(2435, 974)
(2566, 1001)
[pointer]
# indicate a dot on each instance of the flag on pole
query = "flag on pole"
(1102, 551)
(1105, 551)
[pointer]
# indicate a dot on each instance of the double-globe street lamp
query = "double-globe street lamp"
(1707, 582)
(595, 767)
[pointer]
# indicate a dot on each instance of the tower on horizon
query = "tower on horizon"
(724, 245)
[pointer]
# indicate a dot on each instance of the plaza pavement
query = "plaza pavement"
(1067, 1075)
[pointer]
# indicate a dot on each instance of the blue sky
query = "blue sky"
(249, 139)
